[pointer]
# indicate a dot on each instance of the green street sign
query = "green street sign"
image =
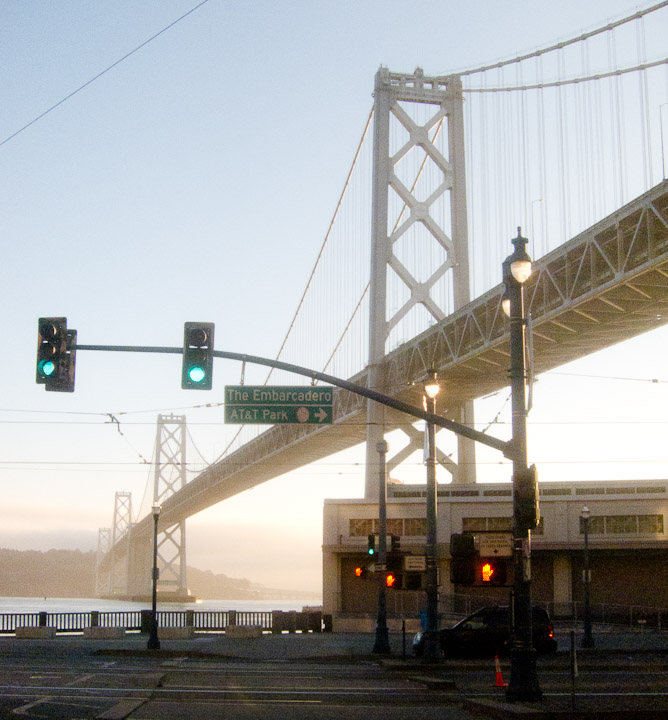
(266, 405)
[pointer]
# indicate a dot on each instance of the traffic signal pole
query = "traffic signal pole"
(382, 642)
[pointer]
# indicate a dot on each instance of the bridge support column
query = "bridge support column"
(408, 212)
(466, 469)
(170, 477)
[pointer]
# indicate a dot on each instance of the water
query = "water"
(64, 605)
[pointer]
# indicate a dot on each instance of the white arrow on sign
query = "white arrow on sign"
(321, 414)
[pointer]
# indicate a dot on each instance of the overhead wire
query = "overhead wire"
(100, 74)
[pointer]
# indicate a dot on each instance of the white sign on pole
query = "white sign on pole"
(495, 544)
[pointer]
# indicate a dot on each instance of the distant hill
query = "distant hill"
(71, 573)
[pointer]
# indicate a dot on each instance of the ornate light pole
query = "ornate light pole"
(153, 641)
(382, 643)
(587, 638)
(431, 639)
(523, 685)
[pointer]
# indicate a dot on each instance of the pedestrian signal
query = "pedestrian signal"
(492, 571)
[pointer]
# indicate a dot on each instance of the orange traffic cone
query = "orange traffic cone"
(499, 678)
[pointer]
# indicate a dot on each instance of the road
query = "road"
(304, 677)
(63, 686)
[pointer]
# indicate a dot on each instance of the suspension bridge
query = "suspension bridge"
(567, 142)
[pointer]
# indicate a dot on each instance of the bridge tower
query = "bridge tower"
(414, 213)
(120, 551)
(170, 476)
(102, 576)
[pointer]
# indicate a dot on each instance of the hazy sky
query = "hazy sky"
(195, 181)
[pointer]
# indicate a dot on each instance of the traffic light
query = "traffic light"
(56, 355)
(463, 562)
(197, 369)
(371, 547)
(492, 571)
(525, 498)
(391, 579)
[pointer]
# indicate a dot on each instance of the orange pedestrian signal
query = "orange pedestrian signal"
(487, 572)
(359, 571)
(492, 571)
(390, 579)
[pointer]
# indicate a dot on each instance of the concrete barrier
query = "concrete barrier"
(243, 631)
(176, 633)
(35, 633)
(104, 633)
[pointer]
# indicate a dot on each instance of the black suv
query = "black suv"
(487, 632)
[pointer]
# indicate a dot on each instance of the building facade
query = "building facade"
(628, 546)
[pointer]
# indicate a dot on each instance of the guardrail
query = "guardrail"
(139, 620)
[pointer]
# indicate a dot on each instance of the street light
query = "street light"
(153, 642)
(431, 640)
(523, 684)
(382, 643)
(587, 639)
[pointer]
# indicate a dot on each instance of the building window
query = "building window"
(490, 524)
(625, 525)
(362, 527)
(395, 526)
(416, 527)
(651, 524)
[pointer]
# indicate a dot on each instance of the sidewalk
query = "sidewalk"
(330, 646)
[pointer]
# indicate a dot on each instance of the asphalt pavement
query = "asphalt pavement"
(624, 676)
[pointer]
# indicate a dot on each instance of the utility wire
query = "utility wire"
(100, 74)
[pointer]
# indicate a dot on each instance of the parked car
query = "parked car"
(487, 632)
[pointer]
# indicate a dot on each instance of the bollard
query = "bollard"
(232, 617)
(146, 621)
(276, 621)
(190, 618)
(43, 616)
(403, 639)
(94, 618)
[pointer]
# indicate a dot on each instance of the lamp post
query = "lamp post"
(587, 638)
(382, 643)
(153, 642)
(523, 684)
(431, 640)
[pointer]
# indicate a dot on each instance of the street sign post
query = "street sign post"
(276, 405)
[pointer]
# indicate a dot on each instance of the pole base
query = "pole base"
(382, 644)
(588, 641)
(431, 652)
(523, 685)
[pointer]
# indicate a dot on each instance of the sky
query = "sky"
(195, 180)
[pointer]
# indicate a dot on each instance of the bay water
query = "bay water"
(65, 605)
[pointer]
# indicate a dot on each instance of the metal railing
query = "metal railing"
(201, 621)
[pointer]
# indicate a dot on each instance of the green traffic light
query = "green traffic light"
(196, 374)
(47, 368)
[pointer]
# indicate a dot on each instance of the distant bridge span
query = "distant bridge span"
(606, 285)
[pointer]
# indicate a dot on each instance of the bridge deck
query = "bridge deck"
(608, 284)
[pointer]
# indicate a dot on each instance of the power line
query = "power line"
(100, 74)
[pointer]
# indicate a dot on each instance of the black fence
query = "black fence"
(275, 621)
